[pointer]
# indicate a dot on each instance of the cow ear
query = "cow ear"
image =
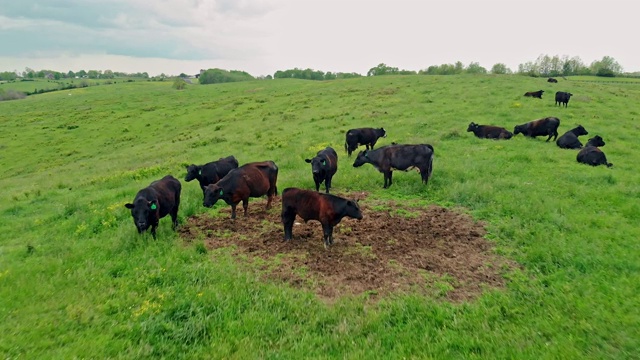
(128, 206)
(307, 160)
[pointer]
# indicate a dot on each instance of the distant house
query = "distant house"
(201, 72)
(49, 76)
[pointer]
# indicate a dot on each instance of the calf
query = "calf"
(212, 172)
(552, 80)
(250, 180)
(489, 132)
(362, 136)
(591, 154)
(309, 205)
(563, 98)
(154, 202)
(323, 166)
(569, 140)
(535, 94)
(398, 157)
(547, 126)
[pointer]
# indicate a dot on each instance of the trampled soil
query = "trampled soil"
(431, 250)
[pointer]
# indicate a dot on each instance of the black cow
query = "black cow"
(250, 180)
(541, 127)
(591, 153)
(362, 136)
(535, 94)
(563, 98)
(552, 80)
(323, 166)
(309, 205)
(398, 157)
(211, 173)
(154, 202)
(569, 140)
(489, 132)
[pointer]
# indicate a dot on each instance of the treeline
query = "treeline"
(309, 74)
(29, 73)
(215, 76)
(546, 65)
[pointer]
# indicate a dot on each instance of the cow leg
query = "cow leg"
(390, 178)
(317, 184)
(245, 205)
(153, 231)
(327, 231)
(288, 217)
(327, 183)
(269, 199)
(233, 210)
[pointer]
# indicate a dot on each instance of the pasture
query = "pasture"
(562, 238)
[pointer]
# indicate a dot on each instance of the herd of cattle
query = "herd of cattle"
(224, 180)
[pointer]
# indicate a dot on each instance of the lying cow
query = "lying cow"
(250, 180)
(211, 173)
(569, 140)
(552, 80)
(591, 153)
(489, 132)
(535, 94)
(398, 157)
(362, 136)
(309, 205)
(323, 166)
(563, 98)
(154, 202)
(541, 127)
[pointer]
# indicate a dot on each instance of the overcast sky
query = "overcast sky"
(263, 36)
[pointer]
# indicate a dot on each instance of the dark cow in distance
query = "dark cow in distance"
(569, 140)
(309, 205)
(250, 180)
(546, 126)
(323, 166)
(591, 153)
(535, 94)
(563, 98)
(489, 131)
(362, 136)
(212, 172)
(552, 80)
(159, 199)
(398, 157)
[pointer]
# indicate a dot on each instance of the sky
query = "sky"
(264, 36)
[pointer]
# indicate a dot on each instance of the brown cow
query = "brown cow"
(547, 126)
(310, 205)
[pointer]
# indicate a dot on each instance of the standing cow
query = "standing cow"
(212, 172)
(569, 140)
(398, 157)
(535, 94)
(323, 166)
(309, 205)
(250, 180)
(489, 132)
(362, 136)
(563, 98)
(591, 153)
(160, 198)
(541, 127)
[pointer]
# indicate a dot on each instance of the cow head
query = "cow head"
(212, 193)
(319, 164)
(363, 158)
(383, 132)
(472, 127)
(143, 212)
(352, 210)
(596, 141)
(580, 131)
(192, 172)
(518, 129)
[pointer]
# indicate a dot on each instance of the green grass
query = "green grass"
(44, 84)
(77, 281)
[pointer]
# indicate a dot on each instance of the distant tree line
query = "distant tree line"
(310, 74)
(215, 76)
(29, 73)
(546, 65)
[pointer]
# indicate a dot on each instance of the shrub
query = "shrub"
(179, 84)
(11, 95)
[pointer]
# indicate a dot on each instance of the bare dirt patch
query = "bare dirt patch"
(433, 250)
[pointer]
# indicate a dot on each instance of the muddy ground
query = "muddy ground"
(435, 251)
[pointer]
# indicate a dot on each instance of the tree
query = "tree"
(93, 74)
(382, 69)
(71, 74)
(500, 69)
(608, 66)
(108, 74)
(475, 68)
(81, 73)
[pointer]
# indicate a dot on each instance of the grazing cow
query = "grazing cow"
(211, 173)
(563, 98)
(250, 180)
(398, 157)
(489, 132)
(154, 202)
(547, 126)
(309, 205)
(591, 153)
(552, 80)
(535, 94)
(569, 140)
(323, 166)
(362, 136)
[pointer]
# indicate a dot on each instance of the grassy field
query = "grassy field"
(43, 84)
(76, 281)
